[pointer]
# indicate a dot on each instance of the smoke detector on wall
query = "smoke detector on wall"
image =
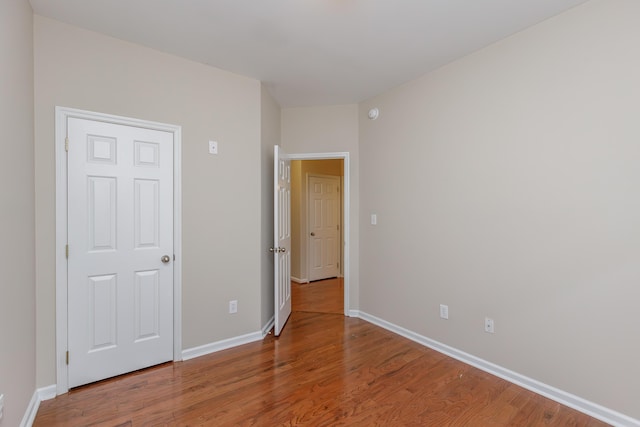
(374, 113)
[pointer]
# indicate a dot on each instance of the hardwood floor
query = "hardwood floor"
(323, 296)
(324, 370)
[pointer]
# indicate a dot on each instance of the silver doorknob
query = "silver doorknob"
(313, 234)
(272, 250)
(282, 249)
(165, 258)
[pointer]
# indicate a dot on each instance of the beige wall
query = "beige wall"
(270, 128)
(221, 206)
(330, 129)
(17, 252)
(506, 185)
(300, 170)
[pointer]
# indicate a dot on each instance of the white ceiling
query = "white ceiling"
(311, 52)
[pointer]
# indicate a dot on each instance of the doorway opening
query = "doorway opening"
(309, 171)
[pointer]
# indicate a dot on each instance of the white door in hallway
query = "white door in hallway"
(324, 227)
(120, 237)
(282, 238)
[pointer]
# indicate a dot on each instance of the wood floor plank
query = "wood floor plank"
(324, 370)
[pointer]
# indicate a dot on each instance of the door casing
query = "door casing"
(62, 116)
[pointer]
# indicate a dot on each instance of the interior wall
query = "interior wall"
(330, 129)
(300, 170)
(510, 190)
(17, 229)
(270, 129)
(221, 207)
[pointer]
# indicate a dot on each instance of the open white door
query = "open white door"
(282, 237)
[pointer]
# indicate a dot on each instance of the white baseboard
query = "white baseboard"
(44, 393)
(270, 324)
(202, 350)
(295, 279)
(30, 414)
(592, 409)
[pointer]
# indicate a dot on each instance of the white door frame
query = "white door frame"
(346, 212)
(62, 116)
(341, 214)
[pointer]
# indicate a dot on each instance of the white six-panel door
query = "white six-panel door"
(324, 232)
(282, 239)
(120, 225)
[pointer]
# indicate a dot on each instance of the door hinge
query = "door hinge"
(66, 144)
(66, 251)
(67, 357)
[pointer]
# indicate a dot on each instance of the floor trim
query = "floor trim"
(594, 410)
(213, 347)
(31, 412)
(267, 328)
(44, 393)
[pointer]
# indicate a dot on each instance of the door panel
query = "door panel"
(102, 311)
(282, 238)
(120, 224)
(147, 287)
(102, 213)
(324, 227)
(146, 213)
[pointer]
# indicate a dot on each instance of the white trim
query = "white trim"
(46, 393)
(295, 279)
(213, 347)
(41, 394)
(61, 120)
(346, 194)
(32, 410)
(267, 328)
(592, 409)
(177, 243)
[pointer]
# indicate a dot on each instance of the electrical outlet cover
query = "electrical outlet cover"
(489, 325)
(213, 147)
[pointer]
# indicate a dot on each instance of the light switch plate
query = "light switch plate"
(233, 306)
(444, 311)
